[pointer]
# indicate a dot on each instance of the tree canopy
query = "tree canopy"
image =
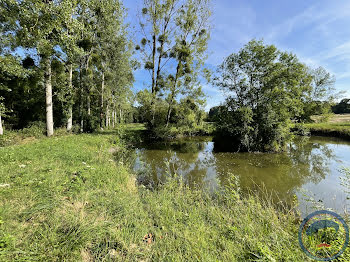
(267, 88)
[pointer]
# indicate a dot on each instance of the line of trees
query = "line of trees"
(72, 54)
(343, 107)
(76, 56)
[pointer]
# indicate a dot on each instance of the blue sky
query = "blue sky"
(317, 31)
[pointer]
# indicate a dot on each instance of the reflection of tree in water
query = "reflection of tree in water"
(169, 158)
(307, 160)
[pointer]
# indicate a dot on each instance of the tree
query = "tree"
(321, 95)
(268, 87)
(189, 51)
(40, 27)
(214, 113)
(2, 111)
(10, 68)
(175, 35)
(343, 107)
(71, 51)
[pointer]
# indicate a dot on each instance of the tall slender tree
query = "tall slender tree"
(173, 47)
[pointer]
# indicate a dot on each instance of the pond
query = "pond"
(311, 169)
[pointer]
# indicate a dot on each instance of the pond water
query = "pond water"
(311, 169)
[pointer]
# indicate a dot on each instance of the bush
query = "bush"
(34, 129)
(91, 123)
(301, 130)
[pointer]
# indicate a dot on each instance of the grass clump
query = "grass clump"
(72, 198)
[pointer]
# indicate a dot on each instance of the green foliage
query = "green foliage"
(343, 107)
(268, 87)
(319, 98)
(214, 113)
(34, 129)
(85, 46)
(174, 131)
(174, 33)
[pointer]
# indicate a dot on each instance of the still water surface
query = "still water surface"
(311, 169)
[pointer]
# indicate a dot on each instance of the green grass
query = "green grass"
(341, 130)
(69, 199)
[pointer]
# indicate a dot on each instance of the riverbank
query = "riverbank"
(340, 130)
(74, 198)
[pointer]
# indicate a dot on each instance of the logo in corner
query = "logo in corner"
(323, 235)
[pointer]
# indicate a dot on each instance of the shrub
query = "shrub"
(34, 129)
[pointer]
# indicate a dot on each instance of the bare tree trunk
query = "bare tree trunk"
(88, 104)
(154, 61)
(102, 93)
(113, 118)
(49, 106)
(154, 91)
(81, 107)
(107, 115)
(1, 128)
(173, 94)
(169, 112)
(70, 109)
(120, 115)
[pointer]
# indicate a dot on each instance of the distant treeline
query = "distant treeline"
(343, 107)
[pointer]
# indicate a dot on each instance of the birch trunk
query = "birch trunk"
(168, 115)
(49, 106)
(81, 107)
(113, 118)
(88, 105)
(120, 116)
(70, 109)
(107, 115)
(102, 93)
(1, 128)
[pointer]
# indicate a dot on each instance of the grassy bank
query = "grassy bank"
(74, 198)
(341, 130)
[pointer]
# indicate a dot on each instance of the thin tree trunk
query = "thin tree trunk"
(88, 104)
(1, 128)
(107, 115)
(49, 106)
(169, 112)
(120, 115)
(173, 93)
(70, 108)
(113, 118)
(81, 107)
(102, 93)
(154, 91)
(88, 99)
(153, 61)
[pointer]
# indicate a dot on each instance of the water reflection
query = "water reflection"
(307, 163)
